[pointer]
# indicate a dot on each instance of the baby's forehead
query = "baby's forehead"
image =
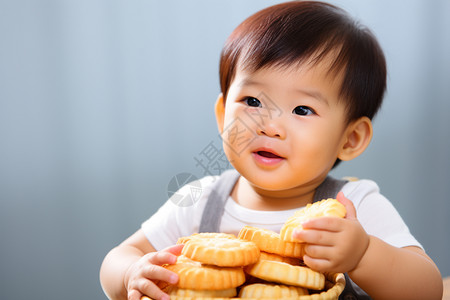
(324, 68)
(327, 60)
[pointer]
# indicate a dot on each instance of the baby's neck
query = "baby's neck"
(253, 197)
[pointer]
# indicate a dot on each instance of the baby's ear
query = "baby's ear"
(357, 137)
(220, 112)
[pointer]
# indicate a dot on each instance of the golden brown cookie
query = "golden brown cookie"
(183, 240)
(221, 251)
(179, 292)
(270, 241)
(287, 274)
(275, 291)
(197, 276)
(324, 208)
(275, 257)
(334, 286)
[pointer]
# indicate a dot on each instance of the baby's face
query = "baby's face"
(284, 128)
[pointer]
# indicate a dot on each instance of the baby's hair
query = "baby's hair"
(298, 32)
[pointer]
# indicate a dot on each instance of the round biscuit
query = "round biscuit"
(223, 252)
(226, 293)
(197, 276)
(269, 290)
(270, 241)
(287, 274)
(276, 257)
(183, 240)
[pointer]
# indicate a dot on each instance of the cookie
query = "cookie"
(275, 291)
(275, 257)
(179, 292)
(287, 274)
(221, 251)
(270, 241)
(335, 284)
(183, 240)
(197, 276)
(324, 208)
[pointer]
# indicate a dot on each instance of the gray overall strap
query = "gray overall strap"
(212, 215)
(329, 188)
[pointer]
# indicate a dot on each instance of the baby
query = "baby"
(300, 84)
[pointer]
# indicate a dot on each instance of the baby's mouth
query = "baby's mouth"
(268, 154)
(267, 158)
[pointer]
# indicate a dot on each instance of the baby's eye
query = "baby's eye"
(303, 111)
(253, 102)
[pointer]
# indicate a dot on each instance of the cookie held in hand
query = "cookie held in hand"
(324, 208)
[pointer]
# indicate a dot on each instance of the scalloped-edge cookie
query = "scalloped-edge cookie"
(276, 257)
(336, 284)
(197, 276)
(179, 292)
(269, 290)
(221, 251)
(270, 241)
(287, 274)
(207, 235)
(324, 208)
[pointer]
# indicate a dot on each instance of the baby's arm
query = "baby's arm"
(129, 270)
(382, 270)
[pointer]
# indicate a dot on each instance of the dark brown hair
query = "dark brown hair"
(294, 32)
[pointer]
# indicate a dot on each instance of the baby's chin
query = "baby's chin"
(268, 181)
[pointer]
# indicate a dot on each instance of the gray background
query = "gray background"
(104, 101)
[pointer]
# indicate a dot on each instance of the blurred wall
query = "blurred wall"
(102, 102)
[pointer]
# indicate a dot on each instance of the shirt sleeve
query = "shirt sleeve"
(174, 220)
(377, 215)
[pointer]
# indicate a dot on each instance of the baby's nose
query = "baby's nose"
(272, 129)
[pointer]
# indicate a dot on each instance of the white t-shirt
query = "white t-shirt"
(375, 213)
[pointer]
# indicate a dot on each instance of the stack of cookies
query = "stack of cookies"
(258, 264)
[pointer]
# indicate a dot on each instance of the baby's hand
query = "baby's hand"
(334, 244)
(141, 276)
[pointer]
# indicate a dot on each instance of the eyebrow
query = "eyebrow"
(248, 81)
(315, 94)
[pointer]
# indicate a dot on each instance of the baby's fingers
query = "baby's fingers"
(155, 272)
(322, 258)
(149, 289)
(146, 284)
(317, 264)
(317, 230)
(318, 251)
(166, 256)
(175, 249)
(315, 237)
(161, 258)
(332, 224)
